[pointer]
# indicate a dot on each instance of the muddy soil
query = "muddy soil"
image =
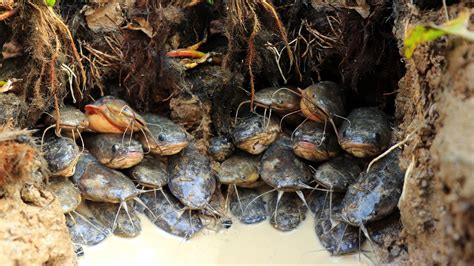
(435, 101)
(32, 227)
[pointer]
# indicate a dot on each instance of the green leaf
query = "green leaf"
(421, 34)
(50, 3)
(2, 82)
(458, 26)
(210, 2)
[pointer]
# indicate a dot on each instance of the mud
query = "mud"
(298, 247)
(434, 96)
(32, 232)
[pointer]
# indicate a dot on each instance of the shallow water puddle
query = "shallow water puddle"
(241, 244)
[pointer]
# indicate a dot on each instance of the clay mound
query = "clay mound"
(32, 227)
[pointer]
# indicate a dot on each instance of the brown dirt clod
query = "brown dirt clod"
(32, 228)
(434, 96)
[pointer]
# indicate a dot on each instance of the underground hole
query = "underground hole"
(229, 131)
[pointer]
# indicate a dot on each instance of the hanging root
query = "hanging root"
(50, 47)
(5, 15)
(53, 85)
(410, 168)
(70, 40)
(251, 55)
(100, 62)
(71, 76)
(241, 11)
(407, 138)
(281, 29)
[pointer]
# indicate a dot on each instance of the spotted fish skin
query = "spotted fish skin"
(169, 214)
(375, 194)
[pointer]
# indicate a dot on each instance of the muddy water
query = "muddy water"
(241, 244)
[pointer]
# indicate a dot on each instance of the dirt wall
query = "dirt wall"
(435, 101)
(32, 227)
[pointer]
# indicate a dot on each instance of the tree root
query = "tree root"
(239, 11)
(49, 45)
(5, 15)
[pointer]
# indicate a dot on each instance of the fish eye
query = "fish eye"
(115, 147)
(314, 96)
(227, 224)
(377, 137)
(345, 133)
(161, 137)
(259, 124)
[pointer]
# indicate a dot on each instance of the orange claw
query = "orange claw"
(185, 53)
(8, 14)
(193, 3)
(112, 115)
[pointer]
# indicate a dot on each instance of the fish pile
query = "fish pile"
(295, 150)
